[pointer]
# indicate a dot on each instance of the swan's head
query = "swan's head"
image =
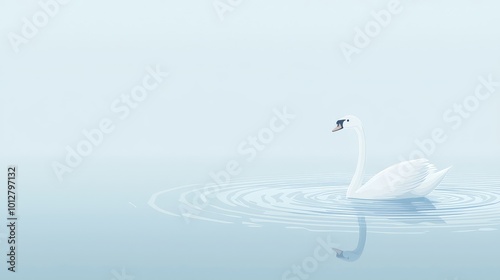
(348, 121)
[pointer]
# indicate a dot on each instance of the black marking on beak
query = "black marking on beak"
(340, 125)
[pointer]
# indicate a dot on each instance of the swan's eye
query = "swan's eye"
(347, 120)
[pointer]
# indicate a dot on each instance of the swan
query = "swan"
(407, 179)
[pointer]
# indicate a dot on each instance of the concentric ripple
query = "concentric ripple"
(318, 203)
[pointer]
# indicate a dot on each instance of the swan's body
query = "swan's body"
(408, 179)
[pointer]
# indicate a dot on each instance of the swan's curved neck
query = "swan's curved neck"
(357, 179)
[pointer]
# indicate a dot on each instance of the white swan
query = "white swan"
(408, 179)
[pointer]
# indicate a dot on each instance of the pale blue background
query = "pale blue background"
(226, 78)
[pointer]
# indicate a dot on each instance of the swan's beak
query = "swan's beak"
(340, 125)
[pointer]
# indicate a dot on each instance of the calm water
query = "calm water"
(256, 228)
(318, 203)
(450, 234)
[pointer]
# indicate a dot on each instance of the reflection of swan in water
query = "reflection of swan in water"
(354, 255)
(409, 207)
(408, 179)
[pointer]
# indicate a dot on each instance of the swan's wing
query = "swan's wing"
(398, 180)
(430, 183)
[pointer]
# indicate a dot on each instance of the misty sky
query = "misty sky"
(227, 77)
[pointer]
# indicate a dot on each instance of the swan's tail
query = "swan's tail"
(431, 182)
